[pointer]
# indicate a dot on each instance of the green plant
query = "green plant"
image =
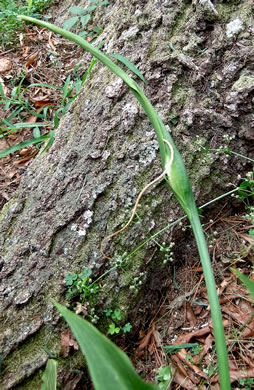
(164, 378)
(176, 177)
(49, 376)
(10, 25)
(223, 149)
(246, 190)
(177, 347)
(19, 105)
(116, 315)
(197, 349)
(109, 367)
(246, 383)
(249, 284)
(81, 285)
(82, 18)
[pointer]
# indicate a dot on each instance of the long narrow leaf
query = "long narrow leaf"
(66, 88)
(177, 347)
(50, 141)
(1, 90)
(49, 376)
(249, 284)
(129, 65)
(109, 367)
(23, 144)
(43, 85)
(22, 125)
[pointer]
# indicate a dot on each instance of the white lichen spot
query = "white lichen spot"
(150, 134)
(131, 33)
(73, 227)
(105, 155)
(130, 109)
(138, 12)
(87, 216)
(114, 90)
(82, 232)
(234, 28)
(22, 297)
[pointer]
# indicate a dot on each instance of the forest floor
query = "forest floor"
(183, 315)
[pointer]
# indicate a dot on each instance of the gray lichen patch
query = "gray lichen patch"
(244, 83)
(234, 28)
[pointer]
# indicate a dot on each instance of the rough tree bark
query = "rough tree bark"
(197, 58)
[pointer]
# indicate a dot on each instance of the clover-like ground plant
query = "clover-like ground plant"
(178, 181)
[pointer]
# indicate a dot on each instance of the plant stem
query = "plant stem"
(218, 328)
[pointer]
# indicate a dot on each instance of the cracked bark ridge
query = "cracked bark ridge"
(201, 80)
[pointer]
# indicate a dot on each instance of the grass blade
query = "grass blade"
(249, 284)
(129, 65)
(1, 90)
(177, 347)
(23, 144)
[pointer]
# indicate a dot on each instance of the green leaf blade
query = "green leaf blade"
(172, 349)
(85, 19)
(109, 367)
(129, 65)
(91, 8)
(249, 284)
(22, 145)
(69, 23)
(76, 10)
(49, 376)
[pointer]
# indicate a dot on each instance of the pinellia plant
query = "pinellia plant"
(176, 177)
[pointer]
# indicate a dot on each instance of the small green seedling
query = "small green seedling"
(246, 189)
(197, 349)
(246, 383)
(113, 329)
(49, 376)
(164, 378)
(81, 285)
(10, 26)
(116, 315)
(82, 17)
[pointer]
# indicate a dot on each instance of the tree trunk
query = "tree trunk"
(198, 63)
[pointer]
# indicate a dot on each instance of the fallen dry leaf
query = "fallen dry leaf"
(66, 343)
(5, 64)
(190, 315)
(235, 375)
(21, 39)
(182, 355)
(31, 59)
(145, 341)
(51, 42)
